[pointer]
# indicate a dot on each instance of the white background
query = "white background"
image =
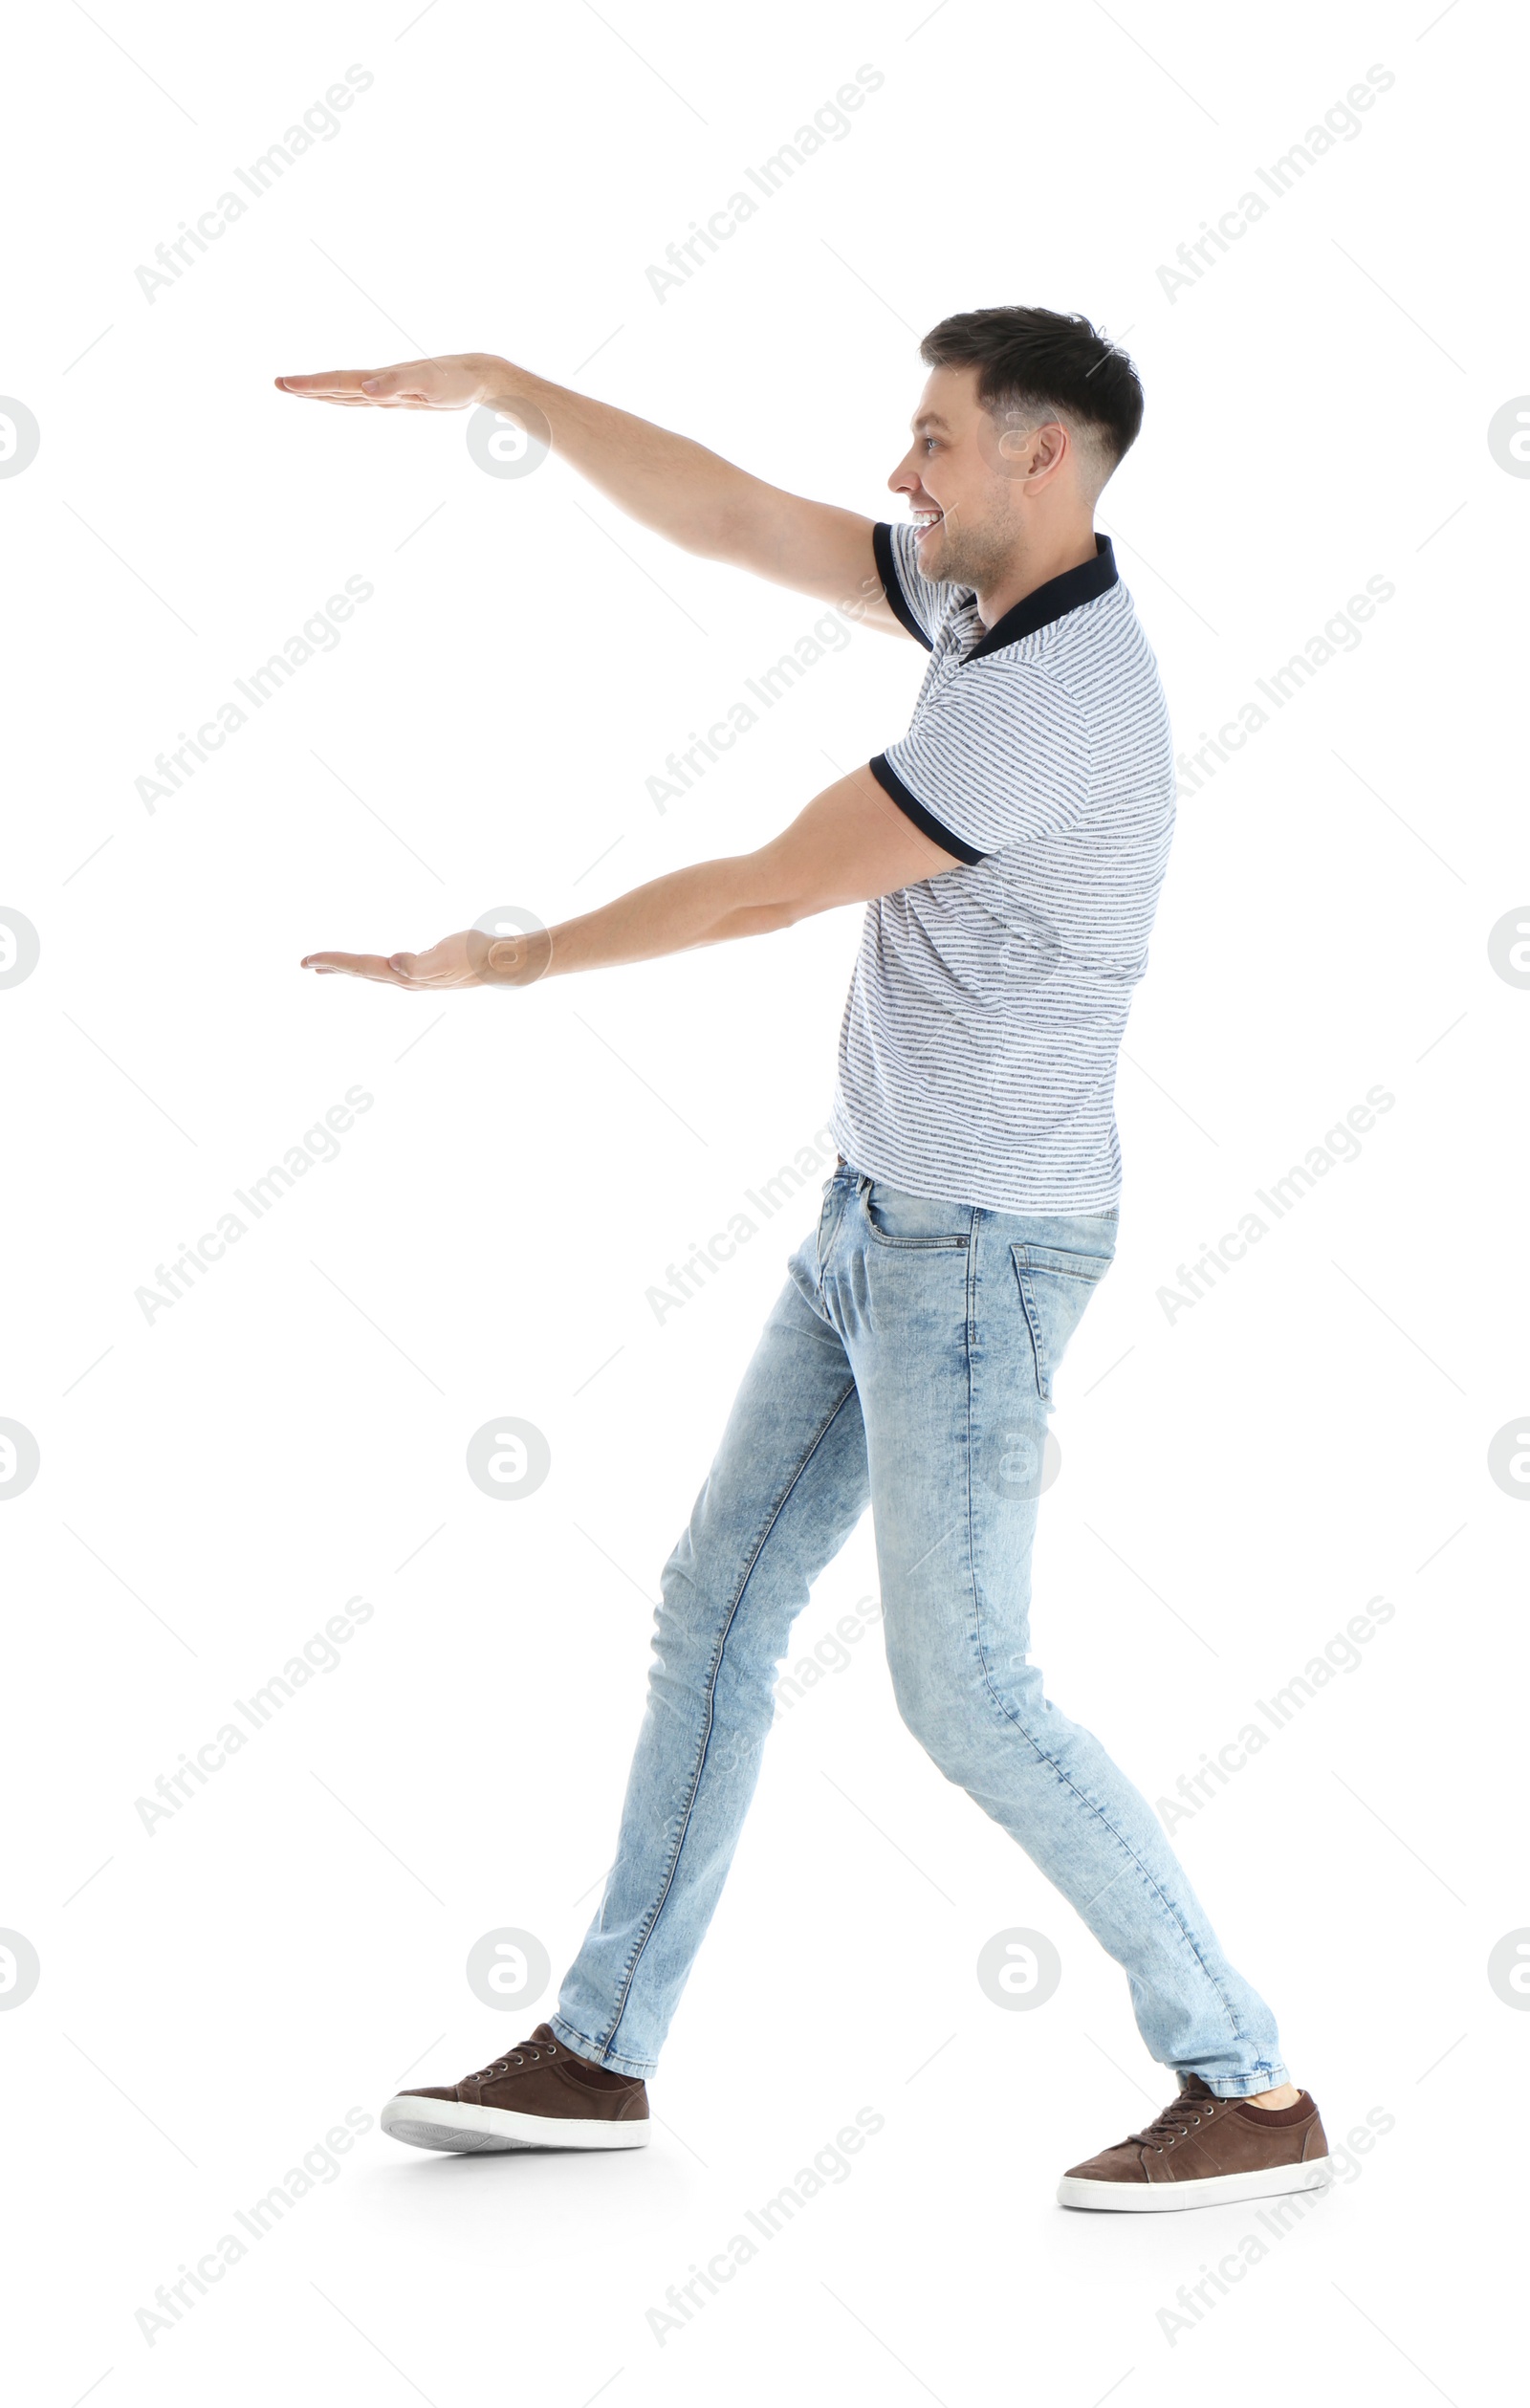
(1236, 1483)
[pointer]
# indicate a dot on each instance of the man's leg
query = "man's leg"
(787, 1488)
(954, 1321)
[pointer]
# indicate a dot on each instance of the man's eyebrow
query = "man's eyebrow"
(929, 418)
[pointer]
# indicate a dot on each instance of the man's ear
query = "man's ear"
(1024, 452)
(1044, 447)
(1046, 454)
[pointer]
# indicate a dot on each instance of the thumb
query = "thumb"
(433, 968)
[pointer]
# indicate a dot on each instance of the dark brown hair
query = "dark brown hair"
(1024, 357)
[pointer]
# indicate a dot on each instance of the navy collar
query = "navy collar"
(1052, 601)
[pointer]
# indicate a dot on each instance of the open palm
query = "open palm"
(468, 959)
(456, 383)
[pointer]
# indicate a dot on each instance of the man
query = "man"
(1009, 849)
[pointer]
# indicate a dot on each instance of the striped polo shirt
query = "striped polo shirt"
(978, 1052)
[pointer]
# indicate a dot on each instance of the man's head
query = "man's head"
(1025, 414)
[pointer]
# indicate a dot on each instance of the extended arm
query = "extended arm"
(678, 488)
(850, 843)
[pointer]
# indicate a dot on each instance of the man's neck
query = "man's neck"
(1069, 548)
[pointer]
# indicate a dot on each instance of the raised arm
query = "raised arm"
(678, 488)
(850, 843)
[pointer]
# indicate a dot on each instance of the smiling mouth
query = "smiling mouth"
(923, 520)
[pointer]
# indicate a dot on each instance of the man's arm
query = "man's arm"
(678, 488)
(850, 843)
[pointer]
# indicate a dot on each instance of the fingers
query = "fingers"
(448, 964)
(432, 969)
(353, 965)
(330, 384)
(408, 387)
(412, 383)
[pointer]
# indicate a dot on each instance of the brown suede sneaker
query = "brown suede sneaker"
(538, 2095)
(1204, 2149)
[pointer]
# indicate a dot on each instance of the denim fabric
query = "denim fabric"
(908, 1365)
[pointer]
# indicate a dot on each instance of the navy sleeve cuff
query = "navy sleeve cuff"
(925, 822)
(892, 584)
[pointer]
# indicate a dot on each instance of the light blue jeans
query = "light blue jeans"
(909, 1363)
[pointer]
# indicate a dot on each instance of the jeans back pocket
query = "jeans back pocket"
(1056, 1284)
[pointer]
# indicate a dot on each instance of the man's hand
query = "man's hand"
(468, 959)
(459, 381)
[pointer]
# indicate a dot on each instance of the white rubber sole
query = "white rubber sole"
(1211, 2190)
(453, 2124)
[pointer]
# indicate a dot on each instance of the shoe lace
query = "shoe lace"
(1175, 2123)
(533, 2049)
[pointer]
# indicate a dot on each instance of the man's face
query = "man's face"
(963, 490)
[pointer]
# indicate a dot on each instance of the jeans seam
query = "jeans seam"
(1091, 1806)
(1012, 1720)
(712, 1671)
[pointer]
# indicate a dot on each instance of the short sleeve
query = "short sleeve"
(996, 757)
(917, 605)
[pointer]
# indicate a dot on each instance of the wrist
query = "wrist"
(501, 383)
(510, 961)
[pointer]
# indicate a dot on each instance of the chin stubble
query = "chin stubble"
(964, 555)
